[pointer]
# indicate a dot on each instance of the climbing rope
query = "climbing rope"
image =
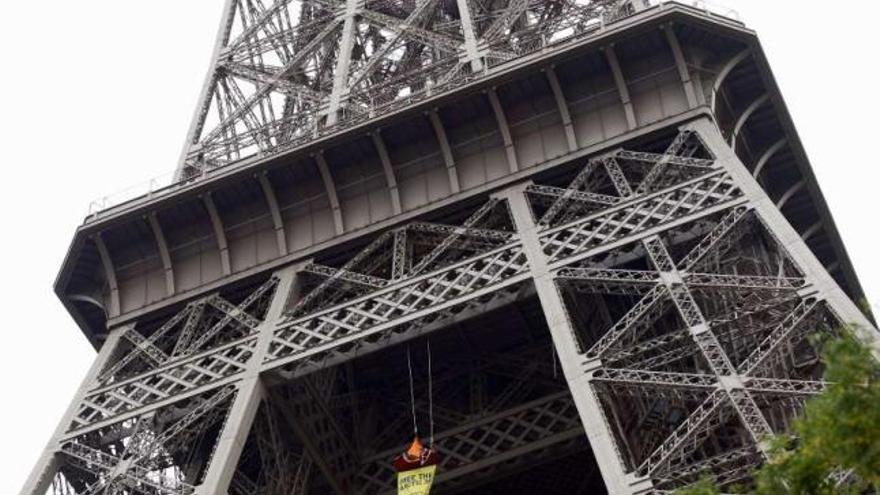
(430, 398)
(412, 394)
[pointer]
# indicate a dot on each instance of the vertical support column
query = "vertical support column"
(812, 268)
(272, 203)
(206, 93)
(343, 62)
(219, 233)
(563, 109)
(504, 129)
(41, 475)
(390, 178)
(724, 72)
(445, 150)
(681, 64)
(470, 37)
(110, 274)
(332, 196)
(250, 392)
(564, 340)
(164, 253)
(622, 90)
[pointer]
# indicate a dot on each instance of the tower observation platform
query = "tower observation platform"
(587, 229)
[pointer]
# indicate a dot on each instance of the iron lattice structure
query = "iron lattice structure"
(292, 71)
(623, 313)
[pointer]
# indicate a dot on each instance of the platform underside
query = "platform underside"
(639, 316)
(615, 250)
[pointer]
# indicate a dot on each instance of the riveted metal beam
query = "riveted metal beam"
(767, 155)
(164, 253)
(620, 83)
(470, 38)
(681, 65)
(219, 233)
(561, 104)
(109, 274)
(388, 169)
(791, 191)
(506, 137)
(744, 116)
(275, 211)
(724, 72)
(445, 150)
(343, 61)
(332, 196)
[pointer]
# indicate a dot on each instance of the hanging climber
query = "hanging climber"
(417, 465)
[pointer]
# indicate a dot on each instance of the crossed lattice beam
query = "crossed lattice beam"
(537, 425)
(617, 231)
(142, 465)
(660, 197)
(288, 71)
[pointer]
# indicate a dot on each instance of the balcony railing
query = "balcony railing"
(168, 183)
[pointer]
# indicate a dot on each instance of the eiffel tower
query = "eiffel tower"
(576, 244)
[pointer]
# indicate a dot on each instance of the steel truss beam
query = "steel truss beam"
(481, 444)
(694, 328)
(289, 72)
(727, 391)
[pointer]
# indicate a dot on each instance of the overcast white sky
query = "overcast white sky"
(97, 95)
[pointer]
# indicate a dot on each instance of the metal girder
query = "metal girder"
(361, 279)
(350, 265)
(305, 410)
(676, 284)
(164, 253)
(747, 457)
(744, 116)
(504, 129)
(620, 83)
(659, 367)
(681, 65)
(687, 201)
(109, 274)
(453, 234)
(562, 106)
(684, 161)
(585, 197)
(329, 64)
(388, 169)
(767, 155)
(445, 150)
(479, 444)
(275, 211)
(186, 370)
(219, 233)
(724, 72)
(400, 303)
(685, 233)
(791, 191)
(332, 196)
(137, 466)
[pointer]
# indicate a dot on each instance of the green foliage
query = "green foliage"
(839, 431)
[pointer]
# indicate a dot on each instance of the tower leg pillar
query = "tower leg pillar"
(577, 375)
(249, 394)
(232, 439)
(41, 476)
(814, 272)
